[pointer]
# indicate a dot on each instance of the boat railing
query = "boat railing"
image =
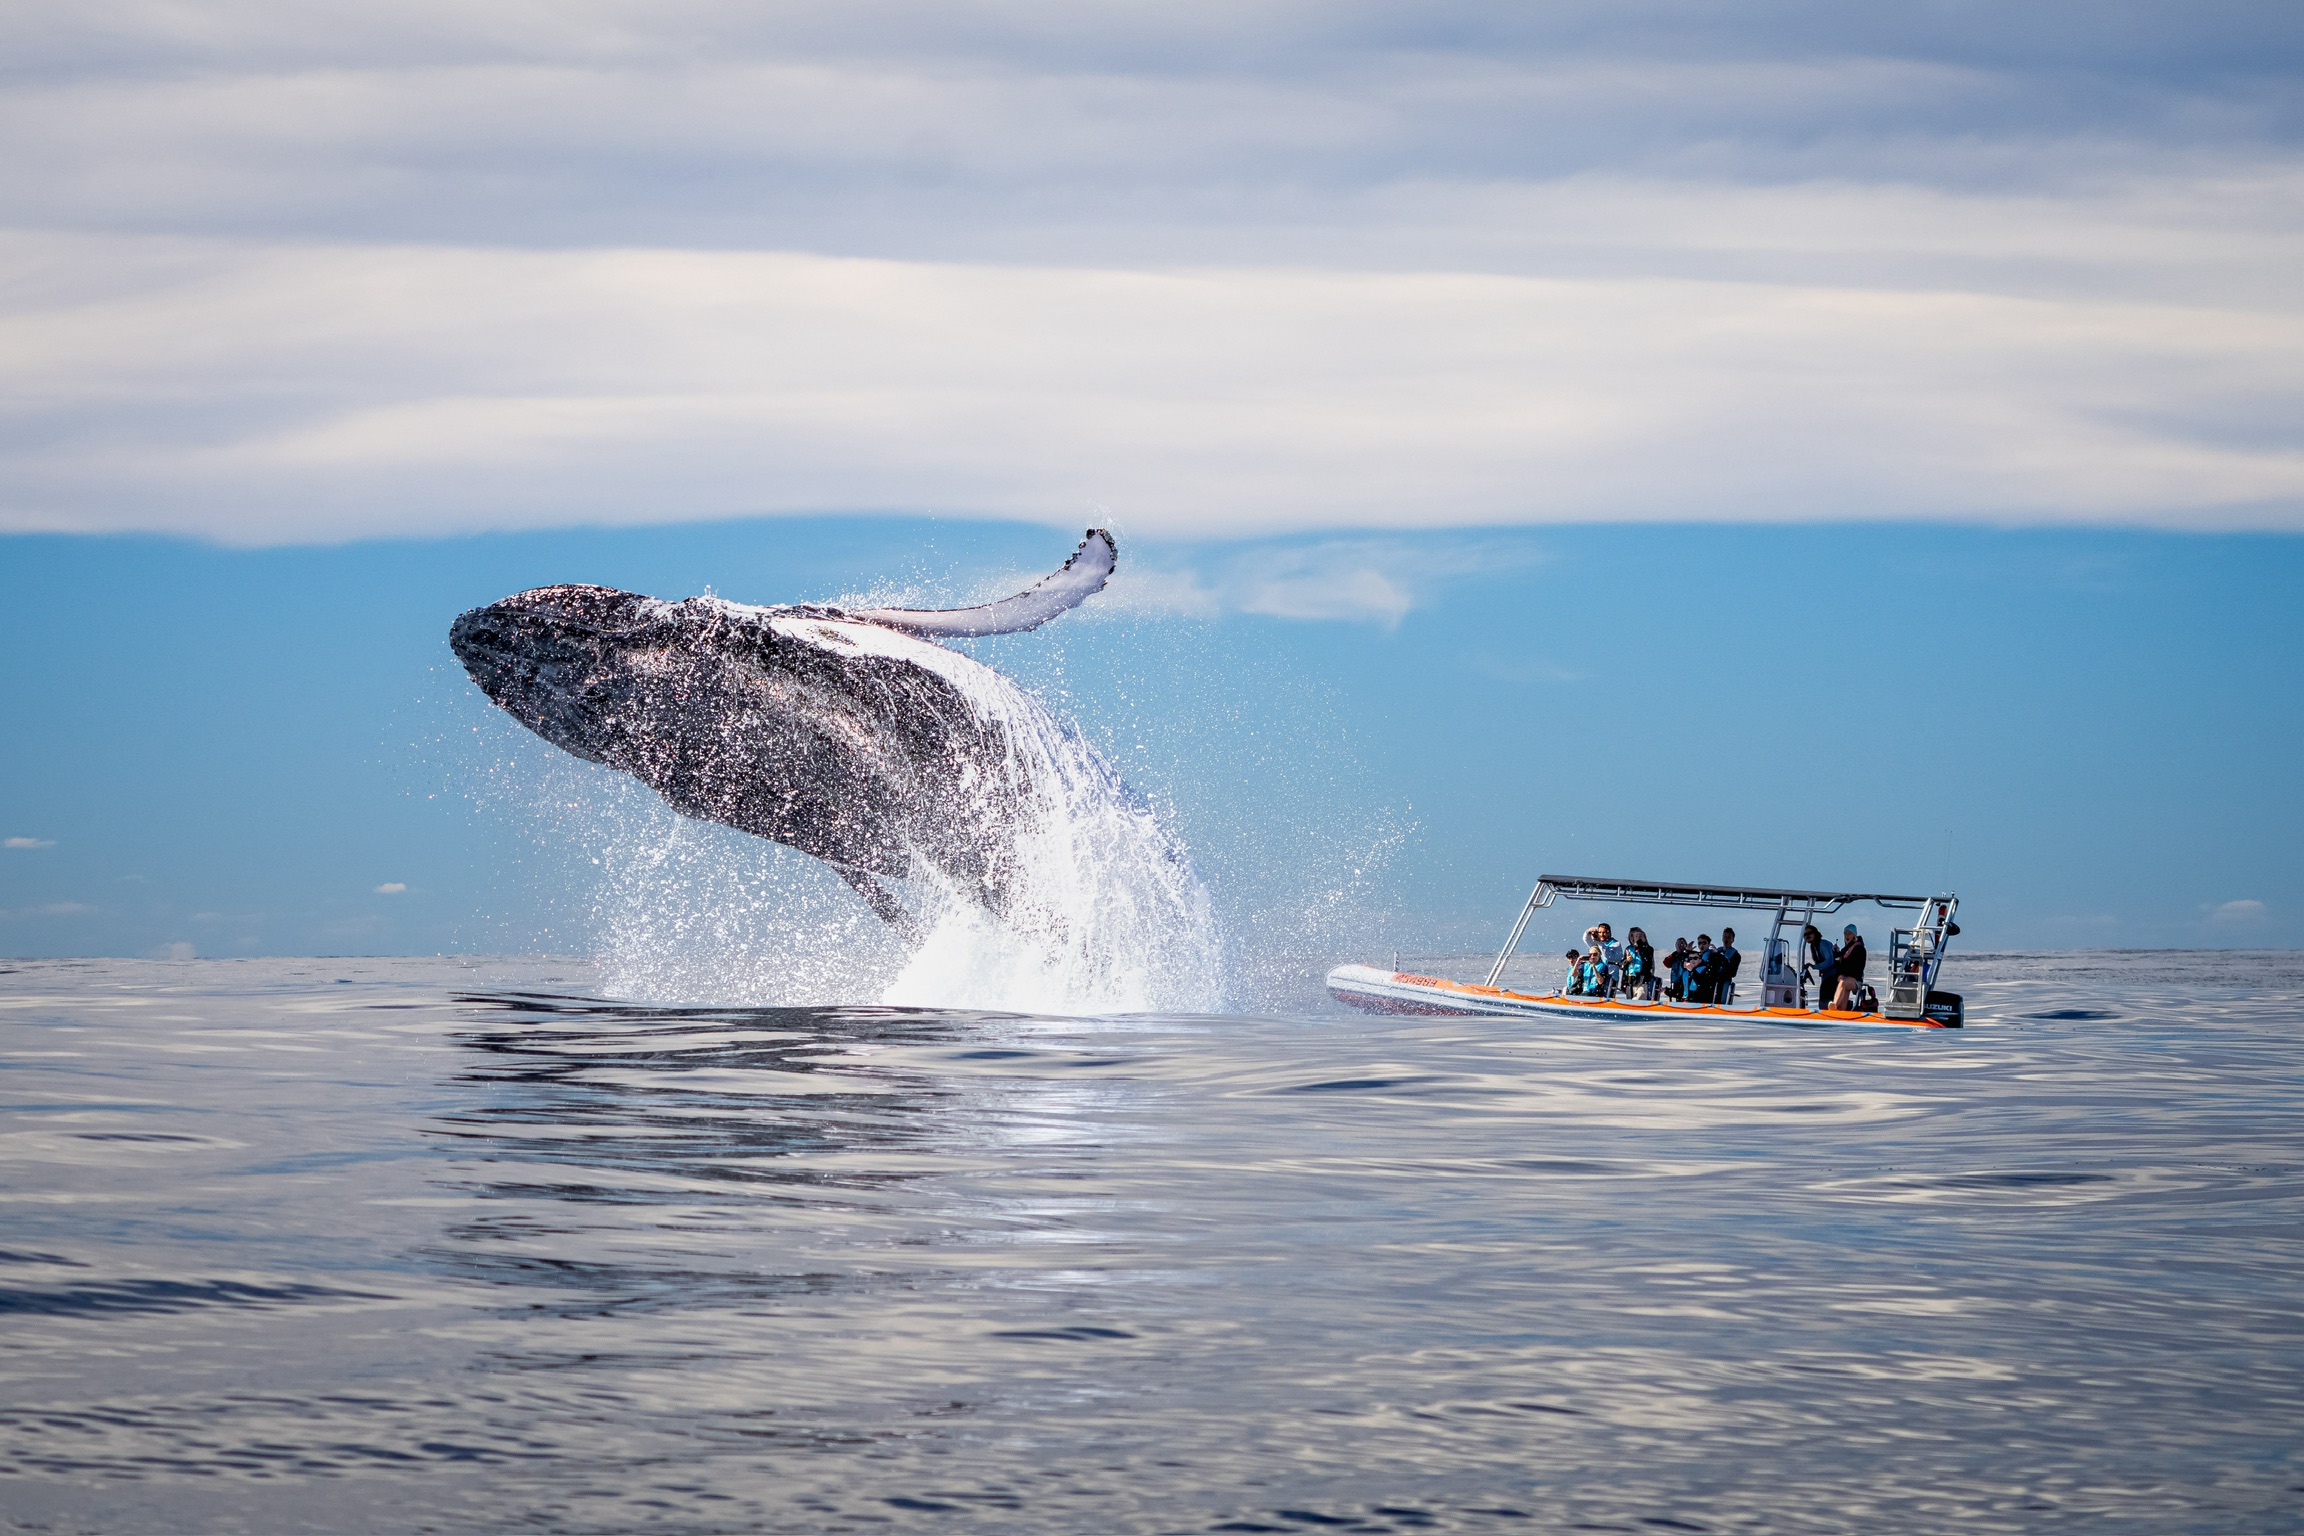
(1915, 953)
(1914, 956)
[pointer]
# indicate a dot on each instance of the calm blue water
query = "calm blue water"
(439, 1246)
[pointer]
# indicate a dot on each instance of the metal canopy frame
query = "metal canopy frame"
(1666, 893)
(1915, 953)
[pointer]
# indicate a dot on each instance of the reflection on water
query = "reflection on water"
(384, 1246)
(595, 1128)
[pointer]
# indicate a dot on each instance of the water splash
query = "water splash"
(1108, 914)
(684, 911)
(1105, 912)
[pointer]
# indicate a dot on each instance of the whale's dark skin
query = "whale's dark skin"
(832, 731)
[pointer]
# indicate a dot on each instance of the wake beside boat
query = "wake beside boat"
(1911, 998)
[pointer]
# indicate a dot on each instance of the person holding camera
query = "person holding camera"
(1677, 964)
(1819, 955)
(1704, 973)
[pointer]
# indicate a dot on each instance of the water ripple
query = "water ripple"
(378, 1246)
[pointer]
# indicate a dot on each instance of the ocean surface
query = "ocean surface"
(457, 1245)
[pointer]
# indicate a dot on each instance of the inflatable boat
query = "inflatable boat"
(1781, 996)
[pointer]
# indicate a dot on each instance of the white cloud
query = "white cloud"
(1371, 580)
(179, 950)
(29, 842)
(272, 393)
(2234, 913)
(1368, 580)
(1014, 131)
(312, 272)
(1364, 593)
(1136, 589)
(391, 888)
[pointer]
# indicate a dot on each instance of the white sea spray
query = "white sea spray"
(1104, 912)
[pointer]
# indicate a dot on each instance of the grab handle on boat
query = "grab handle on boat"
(1536, 898)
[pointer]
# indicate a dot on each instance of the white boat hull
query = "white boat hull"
(1379, 991)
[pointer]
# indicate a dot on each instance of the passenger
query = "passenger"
(1611, 955)
(1639, 966)
(1677, 964)
(1592, 975)
(1575, 974)
(1731, 961)
(1850, 969)
(1819, 954)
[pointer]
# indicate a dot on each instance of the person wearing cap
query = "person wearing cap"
(1850, 969)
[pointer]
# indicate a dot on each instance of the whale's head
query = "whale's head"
(850, 741)
(565, 661)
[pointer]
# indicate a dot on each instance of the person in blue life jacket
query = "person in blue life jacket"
(1819, 954)
(1592, 975)
(1731, 961)
(1602, 937)
(1850, 969)
(1569, 982)
(1704, 972)
(1639, 966)
(1677, 963)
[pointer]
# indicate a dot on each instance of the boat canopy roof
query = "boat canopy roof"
(1673, 894)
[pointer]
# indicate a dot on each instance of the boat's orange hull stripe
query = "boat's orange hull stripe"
(1475, 989)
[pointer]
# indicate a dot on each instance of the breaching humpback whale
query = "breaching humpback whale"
(846, 733)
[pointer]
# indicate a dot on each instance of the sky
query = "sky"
(1782, 442)
(1368, 741)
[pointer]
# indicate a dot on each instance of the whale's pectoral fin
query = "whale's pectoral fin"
(880, 899)
(1080, 578)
